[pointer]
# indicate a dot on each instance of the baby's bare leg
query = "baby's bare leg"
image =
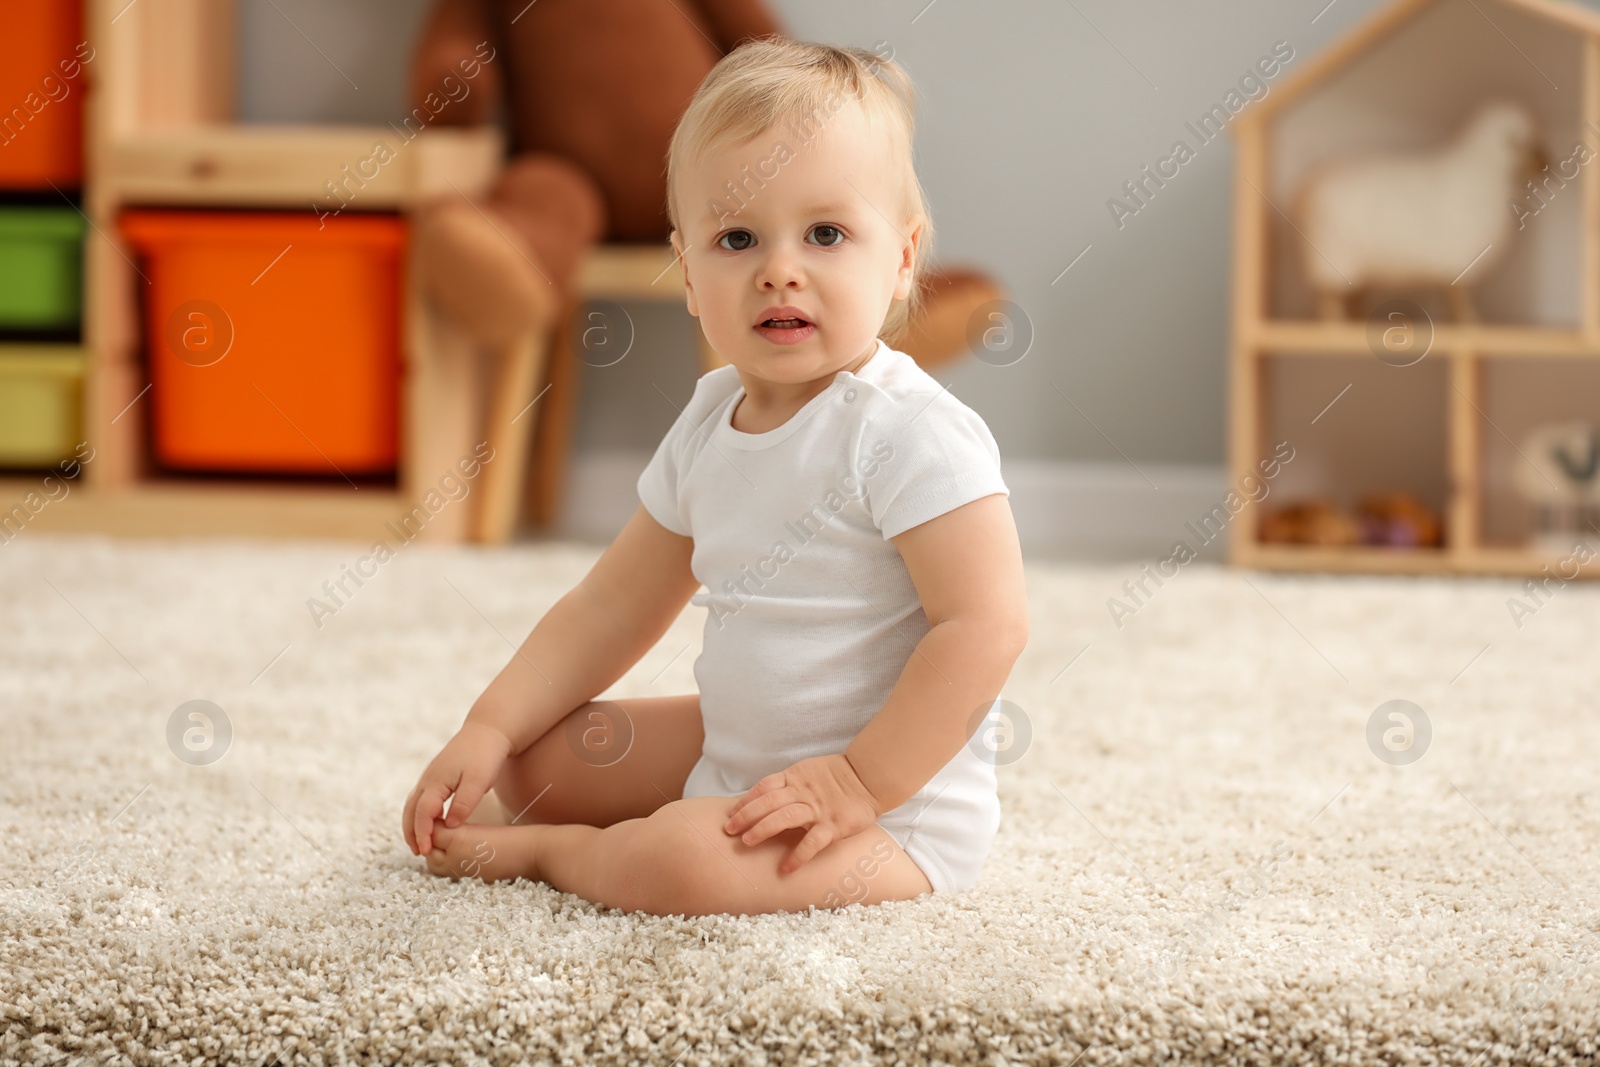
(678, 861)
(606, 762)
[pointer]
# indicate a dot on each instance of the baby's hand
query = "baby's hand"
(823, 794)
(465, 768)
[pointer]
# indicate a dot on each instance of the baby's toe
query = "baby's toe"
(441, 858)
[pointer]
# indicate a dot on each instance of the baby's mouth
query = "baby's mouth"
(785, 330)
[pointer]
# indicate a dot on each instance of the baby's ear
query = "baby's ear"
(907, 270)
(917, 227)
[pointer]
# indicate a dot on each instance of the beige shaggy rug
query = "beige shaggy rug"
(1211, 850)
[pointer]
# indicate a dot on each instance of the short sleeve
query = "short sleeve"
(941, 457)
(661, 484)
(658, 485)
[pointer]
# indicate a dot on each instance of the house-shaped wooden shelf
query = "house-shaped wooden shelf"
(1446, 427)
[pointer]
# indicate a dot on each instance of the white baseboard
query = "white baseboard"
(1111, 511)
(1064, 510)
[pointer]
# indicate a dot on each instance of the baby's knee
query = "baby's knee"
(527, 786)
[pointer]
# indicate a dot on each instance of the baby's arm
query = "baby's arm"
(584, 643)
(967, 567)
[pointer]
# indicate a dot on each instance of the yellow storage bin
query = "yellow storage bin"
(41, 403)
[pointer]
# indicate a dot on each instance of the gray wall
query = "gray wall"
(1033, 114)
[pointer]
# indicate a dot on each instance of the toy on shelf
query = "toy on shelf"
(1387, 519)
(1419, 219)
(1398, 520)
(1310, 522)
(1561, 481)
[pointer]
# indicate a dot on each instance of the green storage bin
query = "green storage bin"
(41, 267)
(41, 404)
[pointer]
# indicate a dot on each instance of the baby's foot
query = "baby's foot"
(492, 853)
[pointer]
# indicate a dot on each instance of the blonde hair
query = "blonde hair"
(770, 79)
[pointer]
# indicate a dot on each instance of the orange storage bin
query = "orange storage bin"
(44, 63)
(273, 339)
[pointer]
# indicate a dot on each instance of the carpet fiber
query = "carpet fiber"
(1203, 858)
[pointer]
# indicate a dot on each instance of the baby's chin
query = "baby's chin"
(788, 367)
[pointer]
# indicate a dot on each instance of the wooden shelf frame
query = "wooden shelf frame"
(170, 507)
(1255, 337)
(1295, 337)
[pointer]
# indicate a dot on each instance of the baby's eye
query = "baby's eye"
(828, 236)
(735, 233)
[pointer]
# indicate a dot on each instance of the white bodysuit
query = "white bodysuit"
(811, 613)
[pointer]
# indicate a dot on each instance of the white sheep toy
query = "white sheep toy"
(1419, 219)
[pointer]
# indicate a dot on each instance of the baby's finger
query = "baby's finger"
(752, 809)
(468, 795)
(430, 805)
(760, 789)
(745, 798)
(819, 838)
(763, 787)
(406, 816)
(786, 818)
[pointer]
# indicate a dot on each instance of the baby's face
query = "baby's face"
(816, 225)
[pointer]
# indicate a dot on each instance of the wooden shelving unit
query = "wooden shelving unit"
(160, 131)
(1259, 336)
